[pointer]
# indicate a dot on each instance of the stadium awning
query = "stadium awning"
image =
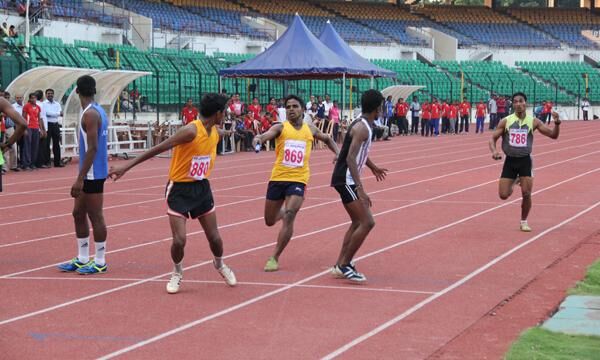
(60, 79)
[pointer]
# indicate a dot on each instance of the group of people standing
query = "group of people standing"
(41, 115)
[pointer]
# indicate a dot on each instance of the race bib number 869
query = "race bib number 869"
(293, 153)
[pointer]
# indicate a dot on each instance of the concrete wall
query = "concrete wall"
(69, 32)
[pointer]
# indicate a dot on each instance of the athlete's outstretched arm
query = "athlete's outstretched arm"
(551, 133)
(90, 122)
(271, 134)
(497, 134)
(184, 135)
(223, 132)
(380, 173)
(319, 135)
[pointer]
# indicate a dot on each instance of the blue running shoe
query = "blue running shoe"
(92, 268)
(350, 273)
(72, 265)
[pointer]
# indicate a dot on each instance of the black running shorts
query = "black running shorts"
(93, 186)
(189, 199)
(517, 166)
(347, 193)
(279, 190)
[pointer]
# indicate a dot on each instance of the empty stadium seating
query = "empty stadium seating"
(503, 80)
(569, 76)
(488, 27)
(563, 24)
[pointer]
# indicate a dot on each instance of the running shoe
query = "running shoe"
(271, 265)
(92, 268)
(174, 283)
(337, 272)
(227, 274)
(525, 227)
(349, 272)
(72, 265)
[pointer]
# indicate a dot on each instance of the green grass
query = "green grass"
(537, 343)
(590, 285)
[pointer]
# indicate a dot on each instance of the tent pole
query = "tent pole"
(372, 81)
(350, 106)
(343, 93)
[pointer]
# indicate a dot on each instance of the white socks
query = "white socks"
(83, 245)
(523, 222)
(100, 251)
(179, 268)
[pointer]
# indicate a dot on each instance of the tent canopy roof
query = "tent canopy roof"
(334, 42)
(297, 54)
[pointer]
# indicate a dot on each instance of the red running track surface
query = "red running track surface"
(445, 252)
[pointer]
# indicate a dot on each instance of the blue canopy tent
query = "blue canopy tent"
(334, 42)
(296, 55)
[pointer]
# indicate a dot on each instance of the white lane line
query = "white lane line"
(455, 285)
(274, 292)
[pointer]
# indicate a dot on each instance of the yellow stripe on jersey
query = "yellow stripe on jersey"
(194, 161)
(293, 153)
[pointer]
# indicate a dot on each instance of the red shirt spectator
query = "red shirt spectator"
(452, 111)
(249, 122)
(435, 111)
(426, 114)
(465, 107)
(481, 108)
(255, 108)
(265, 123)
(31, 113)
(547, 108)
(401, 109)
(501, 104)
(237, 108)
(445, 110)
(189, 113)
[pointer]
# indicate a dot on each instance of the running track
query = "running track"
(445, 251)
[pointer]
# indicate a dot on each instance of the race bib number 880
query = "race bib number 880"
(293, 153)
(518, 137)
(199, 167)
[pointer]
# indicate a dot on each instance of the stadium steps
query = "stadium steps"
(444, 28)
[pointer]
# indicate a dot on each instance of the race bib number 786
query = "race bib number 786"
(518, 137)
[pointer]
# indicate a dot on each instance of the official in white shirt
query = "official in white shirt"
(53, 111)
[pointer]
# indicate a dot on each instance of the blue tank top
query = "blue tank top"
(99, 169)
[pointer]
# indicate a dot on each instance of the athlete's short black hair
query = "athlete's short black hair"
(39, 94)
(519, 94)
(370, 101)
(86, 86)
(294, 97)
(49, 90)
(212, 103)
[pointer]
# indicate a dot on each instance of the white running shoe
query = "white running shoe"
(174, 283)
(227, 274)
